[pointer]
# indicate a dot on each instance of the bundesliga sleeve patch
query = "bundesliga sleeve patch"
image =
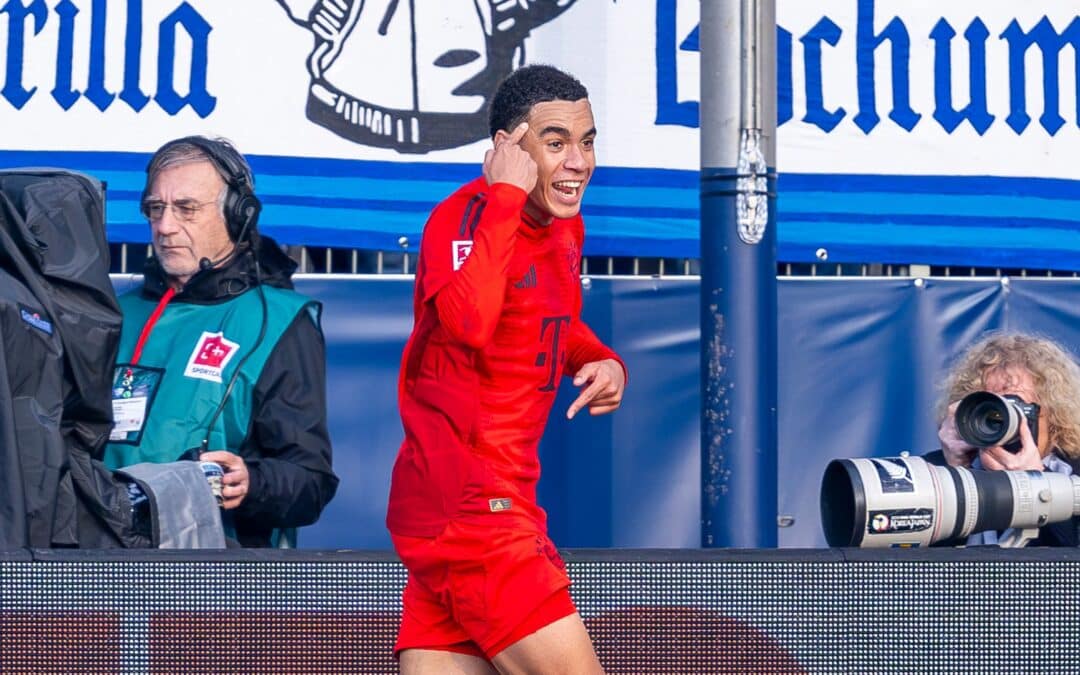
(459, 251)
(212, 353)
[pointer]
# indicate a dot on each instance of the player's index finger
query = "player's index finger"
(590, 392)
(581, 401)
(518, 132)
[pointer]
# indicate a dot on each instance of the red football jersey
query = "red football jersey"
(496, 307)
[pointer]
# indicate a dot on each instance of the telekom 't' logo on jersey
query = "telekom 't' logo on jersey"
(552, 354)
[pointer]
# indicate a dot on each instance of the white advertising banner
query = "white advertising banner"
(909, 131)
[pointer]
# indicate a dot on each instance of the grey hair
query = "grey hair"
(179, 154)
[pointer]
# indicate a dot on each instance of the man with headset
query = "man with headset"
(220, 360)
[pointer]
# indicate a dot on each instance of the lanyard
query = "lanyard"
(169, 293)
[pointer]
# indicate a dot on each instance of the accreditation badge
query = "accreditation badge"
(133, 392)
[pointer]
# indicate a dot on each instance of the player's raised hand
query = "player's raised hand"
(508, 162)
(604, 382)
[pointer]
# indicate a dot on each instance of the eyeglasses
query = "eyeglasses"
(182, 209)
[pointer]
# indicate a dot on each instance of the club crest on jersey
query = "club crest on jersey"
(212, 353)
(459, 251)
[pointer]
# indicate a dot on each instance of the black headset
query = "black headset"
(242, 207)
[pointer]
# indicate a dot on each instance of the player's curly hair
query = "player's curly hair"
(1055, 372)
(526, 87)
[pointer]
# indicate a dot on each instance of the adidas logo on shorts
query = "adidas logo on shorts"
(500, 504)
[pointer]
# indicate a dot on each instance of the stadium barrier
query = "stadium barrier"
(648, 611)
(859, 366)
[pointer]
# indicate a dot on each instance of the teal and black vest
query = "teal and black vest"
(196, 350)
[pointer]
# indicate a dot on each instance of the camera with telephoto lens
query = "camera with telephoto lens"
(985, 420)
(906, 502)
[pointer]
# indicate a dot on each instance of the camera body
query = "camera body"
(985, 419)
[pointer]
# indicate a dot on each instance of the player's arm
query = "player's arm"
(470, 302)
(597, 369)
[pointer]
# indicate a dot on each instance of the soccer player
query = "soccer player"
(497, 322)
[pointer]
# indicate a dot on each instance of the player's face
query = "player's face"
(186, 223)
(560, 140)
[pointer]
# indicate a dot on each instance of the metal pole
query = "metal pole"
(738, 273)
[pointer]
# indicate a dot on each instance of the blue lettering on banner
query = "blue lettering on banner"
(974, 112)
(25, 21)
(13, 90)
(866, 47)
(199, 31)
(1050, 43)
(784, 105)
(816, 114)
(673, 110)
(63, 93)
(669, 109)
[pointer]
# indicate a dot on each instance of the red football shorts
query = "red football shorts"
(477, 589)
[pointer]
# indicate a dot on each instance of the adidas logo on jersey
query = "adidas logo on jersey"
(529, 280)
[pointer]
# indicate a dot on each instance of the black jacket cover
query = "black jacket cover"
(60, 327)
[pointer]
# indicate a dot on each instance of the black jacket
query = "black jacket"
(59, 331)
(287, 450)
(1063, 533)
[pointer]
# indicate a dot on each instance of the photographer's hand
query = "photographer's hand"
(1027, 459)
(235, 482)
(957, 451)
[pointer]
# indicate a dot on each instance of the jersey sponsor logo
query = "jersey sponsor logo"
(552, 354)
(500, 504)
(211, 355)
(529, 280)
(459, 252)
(35, 319)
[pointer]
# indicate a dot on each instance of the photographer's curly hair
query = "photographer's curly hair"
(526, 87)
(1055, 372)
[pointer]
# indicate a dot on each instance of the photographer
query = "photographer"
(1037, 371)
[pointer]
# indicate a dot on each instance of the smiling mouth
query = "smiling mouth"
(568, 188)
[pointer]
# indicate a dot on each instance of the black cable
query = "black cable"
(239, 366)
(207, 263)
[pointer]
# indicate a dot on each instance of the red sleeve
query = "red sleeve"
(584, 347)
(481, 229)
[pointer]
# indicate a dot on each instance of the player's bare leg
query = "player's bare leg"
(559, 648)
(439, 662)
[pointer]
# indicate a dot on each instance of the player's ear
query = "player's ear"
(500, 137)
